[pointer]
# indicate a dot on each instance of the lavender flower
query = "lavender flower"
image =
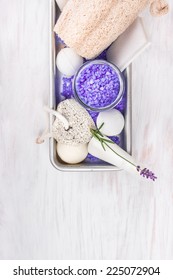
(146, 173)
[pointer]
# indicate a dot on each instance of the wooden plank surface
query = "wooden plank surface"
(46, 214)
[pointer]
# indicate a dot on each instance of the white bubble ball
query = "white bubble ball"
(68, 61)
(72, 154)
(113, 122)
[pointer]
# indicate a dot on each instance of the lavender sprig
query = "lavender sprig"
(146, 173)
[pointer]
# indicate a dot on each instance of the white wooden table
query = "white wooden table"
(46, 214)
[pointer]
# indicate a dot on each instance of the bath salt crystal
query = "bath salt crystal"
(97, 85)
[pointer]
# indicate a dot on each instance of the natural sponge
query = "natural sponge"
(90, 26)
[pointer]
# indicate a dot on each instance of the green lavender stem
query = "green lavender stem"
(99, 136)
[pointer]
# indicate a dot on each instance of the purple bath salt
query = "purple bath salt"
(98, 84)
(93, 115)
(58, 40)
(121, 106)
(115, 139)
(67, 88)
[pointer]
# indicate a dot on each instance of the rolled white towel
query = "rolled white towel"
(112, 154)
(61, 3)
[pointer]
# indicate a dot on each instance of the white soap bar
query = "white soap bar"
(118, 158)
(128, 46)
(61, 3)
(113, 122)
(72, 154)
(68, 61)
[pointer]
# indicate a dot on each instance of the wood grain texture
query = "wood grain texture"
(46, 214)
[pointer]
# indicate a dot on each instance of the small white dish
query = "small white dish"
(129, 45)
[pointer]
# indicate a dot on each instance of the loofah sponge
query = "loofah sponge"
(90, 26)
(158, 7)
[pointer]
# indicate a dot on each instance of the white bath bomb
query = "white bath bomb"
(72, 154)
(68, 61)
(113, 122)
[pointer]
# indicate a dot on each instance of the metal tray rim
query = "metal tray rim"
(128, 116)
